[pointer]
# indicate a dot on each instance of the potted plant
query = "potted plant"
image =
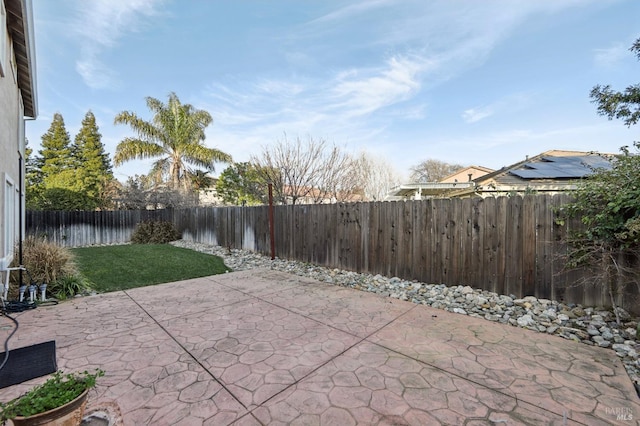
(58, 401)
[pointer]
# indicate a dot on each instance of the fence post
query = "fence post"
(271, 230)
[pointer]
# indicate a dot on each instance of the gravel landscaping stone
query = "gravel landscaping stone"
(588, 325)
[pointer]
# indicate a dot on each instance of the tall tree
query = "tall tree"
(432, 170)
(33, 178)
(176, 134)
(60, 185)
(310, 170)
(293, 168)
(93, 166)
(56, 149)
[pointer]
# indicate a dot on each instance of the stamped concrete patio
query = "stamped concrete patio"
(264, 347)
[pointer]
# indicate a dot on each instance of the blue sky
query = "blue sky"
(462, 81)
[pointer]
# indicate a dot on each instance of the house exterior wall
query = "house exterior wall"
(12, 147)
(463, 174)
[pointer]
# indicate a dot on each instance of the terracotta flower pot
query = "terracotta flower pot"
(69, 414)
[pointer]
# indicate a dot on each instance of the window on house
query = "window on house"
(10, 218)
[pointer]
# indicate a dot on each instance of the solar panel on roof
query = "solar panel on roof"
(561, 167)
(528, 174)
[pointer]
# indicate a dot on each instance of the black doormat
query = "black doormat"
(28, 363)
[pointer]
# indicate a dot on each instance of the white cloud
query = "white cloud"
(352, 10)
(100, 25)
(342, 103)
(417, 46)
(578, 137)
(511, 103)
(94, 73)
(611, 56)
(473, 115)
(356, 94)
(281, 88)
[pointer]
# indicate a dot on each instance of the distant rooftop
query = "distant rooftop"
(563, 167)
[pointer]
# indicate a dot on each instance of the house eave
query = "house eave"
(20, 27)
(428, 189)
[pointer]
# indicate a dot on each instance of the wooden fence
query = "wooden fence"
(508, 245)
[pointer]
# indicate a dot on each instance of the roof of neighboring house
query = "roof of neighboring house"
(306, 192)
(464, 172)
(561, 167)
(554, 170)
(427, 189)
(20, 27)
(554, 164)
(438, 189)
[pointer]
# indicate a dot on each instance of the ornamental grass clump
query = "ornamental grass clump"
(45, 261)
(57, 391)
(50, 264)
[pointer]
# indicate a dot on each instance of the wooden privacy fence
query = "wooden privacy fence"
(508, 245)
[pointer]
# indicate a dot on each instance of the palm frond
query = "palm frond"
(132, 148)
(204, 157)
(144, 129)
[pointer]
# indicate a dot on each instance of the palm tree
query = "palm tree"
(176, 134)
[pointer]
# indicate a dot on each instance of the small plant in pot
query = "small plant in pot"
(60, 401)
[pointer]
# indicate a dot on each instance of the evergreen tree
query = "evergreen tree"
(56, 150)
(93, 171)
(33, 178)
(60, 189)
(69, 176)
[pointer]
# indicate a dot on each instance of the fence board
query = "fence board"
(544, 231)
(501, 220)
(477, 265)
(528, 246)
(444, 243)
(417, 263)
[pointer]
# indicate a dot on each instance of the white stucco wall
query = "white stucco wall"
(11, 145)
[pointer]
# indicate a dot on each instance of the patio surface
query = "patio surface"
(264, 347)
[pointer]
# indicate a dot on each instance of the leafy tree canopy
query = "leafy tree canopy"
(432, 170)
(608, 203)
(623, 105)
(241, 184)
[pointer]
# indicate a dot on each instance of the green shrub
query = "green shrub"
(155, 232)
(68, 286)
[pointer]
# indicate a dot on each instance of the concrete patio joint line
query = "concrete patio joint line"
(186, 350)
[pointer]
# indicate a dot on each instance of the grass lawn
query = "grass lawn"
(112, 268)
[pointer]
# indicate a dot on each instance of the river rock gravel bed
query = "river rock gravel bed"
(588, 325)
